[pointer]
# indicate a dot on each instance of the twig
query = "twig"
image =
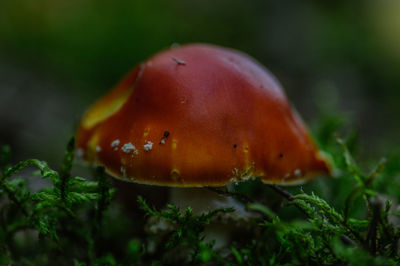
(288, 196)
(282, 192)
(240, 197)
(178, 61)
(66, 167)
(370, 241)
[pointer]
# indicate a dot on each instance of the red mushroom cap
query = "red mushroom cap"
(199, 115)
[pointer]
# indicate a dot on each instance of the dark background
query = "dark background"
(339, 58)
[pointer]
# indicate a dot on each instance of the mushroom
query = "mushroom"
(199, 115)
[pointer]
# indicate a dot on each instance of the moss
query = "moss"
(352, 219)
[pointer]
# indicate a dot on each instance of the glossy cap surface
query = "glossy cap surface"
(199, 115)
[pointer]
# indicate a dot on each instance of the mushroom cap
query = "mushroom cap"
(199, 115)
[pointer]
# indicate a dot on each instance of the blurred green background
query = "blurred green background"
(337, 58)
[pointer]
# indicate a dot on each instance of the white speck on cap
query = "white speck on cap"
(98, 148)
(235, 171)
(115, 144)
(148, 146)
(128, 147)
(297, 172)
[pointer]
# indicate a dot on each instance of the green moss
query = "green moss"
(352, 219)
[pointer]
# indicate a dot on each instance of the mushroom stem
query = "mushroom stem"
(202, 200)
(199, 199)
